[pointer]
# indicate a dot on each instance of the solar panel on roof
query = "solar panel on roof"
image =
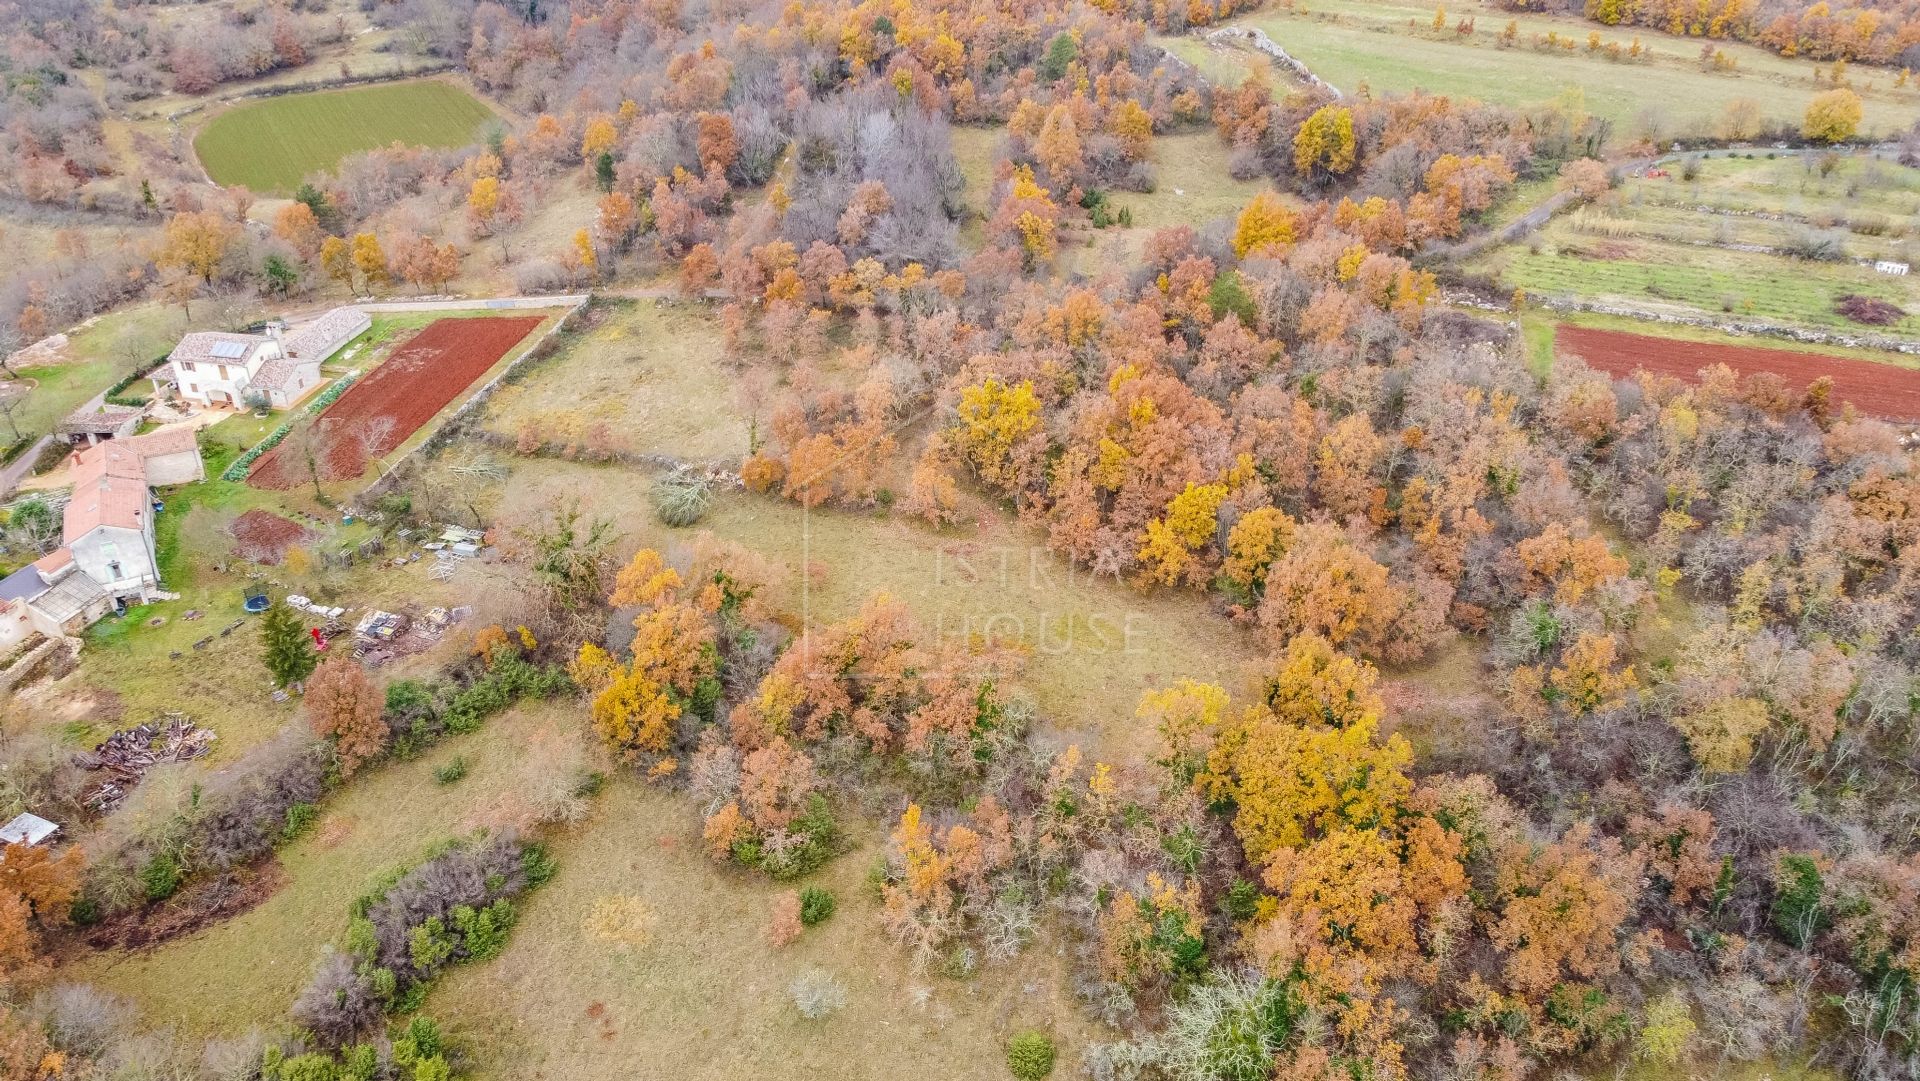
(229, 350)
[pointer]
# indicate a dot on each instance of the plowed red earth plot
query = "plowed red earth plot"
(379, 412)
(264, 537)
(1882, 390)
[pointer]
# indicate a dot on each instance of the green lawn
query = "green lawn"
(271, 145)
(97, 355)
(1350, 42)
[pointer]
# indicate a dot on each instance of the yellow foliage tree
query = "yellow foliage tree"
(633, 714)
(1133, 126)
(1167, 547)
(994, 418)
(1325, 142)
(598, 138)
(1255, 541)
(1832, 117)
(1721, 735)
(198, 242)
(337, 261)
(1265, 227)
(1587, 679)
(646, 579)
(1187, 717)
(369, 259)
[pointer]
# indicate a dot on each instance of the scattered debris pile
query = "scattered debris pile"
(124, 757)
(382, 636)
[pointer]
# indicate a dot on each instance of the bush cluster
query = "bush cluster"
(455, 906)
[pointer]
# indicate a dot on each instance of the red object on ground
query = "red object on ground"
(415, 383)
(1881, 390)
(319, 640)
(264, 537)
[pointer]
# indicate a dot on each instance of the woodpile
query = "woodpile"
(124, 757)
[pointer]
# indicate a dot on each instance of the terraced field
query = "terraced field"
(1389, 46)
(1780, 239)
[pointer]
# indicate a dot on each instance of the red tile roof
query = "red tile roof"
(109, 488)
(110, 481)
(164, 441)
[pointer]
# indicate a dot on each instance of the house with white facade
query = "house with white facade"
(217, 369)
(108, 557)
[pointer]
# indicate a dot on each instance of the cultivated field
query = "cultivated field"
(271, 145)
(382, 410)
(1882, 390)
(1780, 239)
(1351, 42)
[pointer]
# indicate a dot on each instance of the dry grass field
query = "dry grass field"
(640, 372)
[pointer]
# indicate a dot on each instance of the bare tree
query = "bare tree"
(12, 397)
(313, 443)
(372, 437)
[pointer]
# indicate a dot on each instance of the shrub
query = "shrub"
(784, 925)
(816, 905)
(82, 1019)
(1030, 1056)
(247, 809)
(300, 818)
(1870, 224)
(338, 1004)
(682, 499)
(1798, 912)
(1816, 245)
(452, 771)
(161, 876)
(817, 993)
(419, 1041)
(1228, 1028)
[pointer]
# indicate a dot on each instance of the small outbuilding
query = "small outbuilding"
(84, 427)
(27, 829)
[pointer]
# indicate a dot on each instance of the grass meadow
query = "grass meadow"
(706, 999)
(1355, 42)
(638, 372)
(272, 144)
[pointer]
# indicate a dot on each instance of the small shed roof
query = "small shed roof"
(106, 420)
(27, 828)
(23, 584)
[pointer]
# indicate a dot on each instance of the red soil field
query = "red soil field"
(264, 537)
(1881, 390)
(379, 412)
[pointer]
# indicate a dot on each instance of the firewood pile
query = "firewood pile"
(124, 757)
